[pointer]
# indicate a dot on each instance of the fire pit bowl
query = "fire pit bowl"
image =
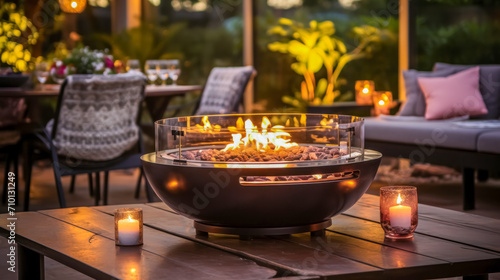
(255, 174)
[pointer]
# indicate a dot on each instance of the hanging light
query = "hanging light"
(73, 6)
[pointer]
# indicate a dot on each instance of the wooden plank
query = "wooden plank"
(209, 260)
(92, 254)
(291, 259)
(445, 215)
(470, 258)
(441, 229)
(371, 253)
(463, 259)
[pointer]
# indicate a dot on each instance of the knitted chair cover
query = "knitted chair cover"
(224, 89)
(98, 116)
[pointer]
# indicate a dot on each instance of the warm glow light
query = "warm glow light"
(318, 176)
(399, 200)
(260, 140)
(132, 270)
(366, 90)
(381, 102)
(72, 6)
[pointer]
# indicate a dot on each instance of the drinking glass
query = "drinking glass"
(42, 72)
(173, 70)
(163, 71)
(133, 65)
(151, 70)
(58, 74)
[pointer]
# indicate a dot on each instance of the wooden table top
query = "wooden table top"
(446, 244)
(53, 90)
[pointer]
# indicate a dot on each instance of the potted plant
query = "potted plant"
(315, 47)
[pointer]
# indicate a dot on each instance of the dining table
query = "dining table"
(157, 97)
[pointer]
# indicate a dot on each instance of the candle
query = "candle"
(400, 215)
(382, 102)
(128, 231)
(364, 90)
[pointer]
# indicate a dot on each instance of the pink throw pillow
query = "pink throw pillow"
(453, 96)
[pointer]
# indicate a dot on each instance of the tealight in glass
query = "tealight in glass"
(128, 226)
(398, 211)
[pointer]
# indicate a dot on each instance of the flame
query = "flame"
(206, 123)
(259, 140)
(365, 90)
(381, 102)
(130, 218)
(239, 123)
(399, 200)
(318, 176)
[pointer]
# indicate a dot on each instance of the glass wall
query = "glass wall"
(457, 32)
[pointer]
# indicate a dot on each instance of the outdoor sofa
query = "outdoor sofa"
(469, 145)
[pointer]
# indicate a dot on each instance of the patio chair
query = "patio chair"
(95, 129)
(224, 90)
(12, 113)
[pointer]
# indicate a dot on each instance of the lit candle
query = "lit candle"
(382, 102)
(128, 231)
(364, 90)
(400, 215)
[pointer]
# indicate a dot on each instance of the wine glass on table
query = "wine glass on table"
(174, 70)
(133, 66)
(58, 72)
(151, 70)
(163, 71)
(42, 73)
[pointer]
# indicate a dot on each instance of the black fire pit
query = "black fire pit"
(279, 174)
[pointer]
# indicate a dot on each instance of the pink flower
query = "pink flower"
(108, 62)
(60, 71)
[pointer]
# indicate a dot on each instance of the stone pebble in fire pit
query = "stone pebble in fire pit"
(250, 154)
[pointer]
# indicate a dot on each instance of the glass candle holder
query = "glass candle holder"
(128, 226)
(398, 211)
(382, 102)
(364, 90)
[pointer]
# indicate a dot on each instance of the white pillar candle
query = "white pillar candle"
(400, 215)
(128, 231)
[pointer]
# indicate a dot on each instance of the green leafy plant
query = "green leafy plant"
(314, 48)
(147, 41)
(17, 36)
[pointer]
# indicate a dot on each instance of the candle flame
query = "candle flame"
(365, 90)
(381, 102)
(399, 200)
(130, 218)
(318, 176)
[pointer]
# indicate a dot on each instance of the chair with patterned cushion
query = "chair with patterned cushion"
(224, 90)
(95, 128)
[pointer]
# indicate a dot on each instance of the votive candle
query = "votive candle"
(398, 211)
(128, 226)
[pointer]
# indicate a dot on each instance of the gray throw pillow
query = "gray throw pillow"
(415, 100)
(489, 85)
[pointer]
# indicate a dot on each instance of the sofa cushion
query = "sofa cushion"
(452, 96)
(489, 142)
(415, 101)
(489, 85)
(426, 134)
